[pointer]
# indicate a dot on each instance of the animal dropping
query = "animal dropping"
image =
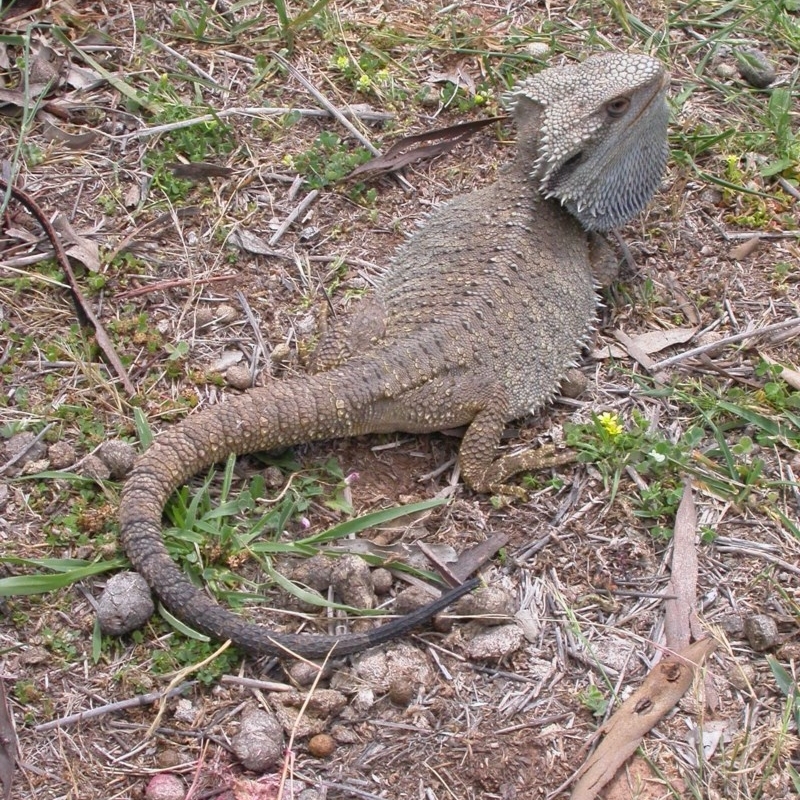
(475, 323)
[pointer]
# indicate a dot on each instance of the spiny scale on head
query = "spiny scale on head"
(603, 135)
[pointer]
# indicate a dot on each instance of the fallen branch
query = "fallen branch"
(131, 702)
(663, 687)
(737, 337)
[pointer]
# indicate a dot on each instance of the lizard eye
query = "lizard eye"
(618, 106)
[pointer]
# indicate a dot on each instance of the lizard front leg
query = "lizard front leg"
(603, 261)
(477, 455)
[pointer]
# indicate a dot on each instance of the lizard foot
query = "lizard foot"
(544, 457)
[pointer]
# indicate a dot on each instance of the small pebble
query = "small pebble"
(118, 456)
(761, 631)
(304, 673)
(731, 623)
(351, 579)
(411, 599)
(573, 384)
(789, 651)
(725, 71)
(19, 442)
(165, 786)
(307, 715)
(495, 644)
(125, 605)
(259, 743)
(538, 49)
(314, 572)
(94, 467)
(321, 745)
(170, 757)
(225, 313)
(364, 699)
(401, 691)
(273, 478)
(61, 455)
(239, 376)
(185, 711)
(492, 605)
(281, 352)
(742, 676)
(381, 580)
(203, 316)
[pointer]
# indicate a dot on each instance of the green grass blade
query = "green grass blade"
(19, 585)
(361, 523)
(181, 627)
(120, 85)
(143, 431)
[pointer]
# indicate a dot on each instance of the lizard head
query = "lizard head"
(597, 133)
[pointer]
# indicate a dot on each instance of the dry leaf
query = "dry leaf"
(461, 78)
(132, 196)
(75, 141)
(634, 351)
(745, 249)
(11, 97)
(250, 243)
(655, 341)
(645, 343)
(400, 154)
(78, 247)
(680, 609)
(82, 77)
(663, 687)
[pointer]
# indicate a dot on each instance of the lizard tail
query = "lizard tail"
(286, 413)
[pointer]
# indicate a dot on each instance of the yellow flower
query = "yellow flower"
(364, 82)
(342, 62)
(610, 423)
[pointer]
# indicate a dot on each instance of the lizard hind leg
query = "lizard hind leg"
(338, 344)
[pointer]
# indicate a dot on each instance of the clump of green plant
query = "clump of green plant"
(187, 651)
(290, 25)
(137, 330)
(200, 141)
(612, 445)
(454, 96)
(369, 74)
(327, 161)
(734, 472)
(593, 699)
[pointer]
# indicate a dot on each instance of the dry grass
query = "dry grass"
(163, 262)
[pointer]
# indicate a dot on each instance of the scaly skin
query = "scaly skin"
(475, 323)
